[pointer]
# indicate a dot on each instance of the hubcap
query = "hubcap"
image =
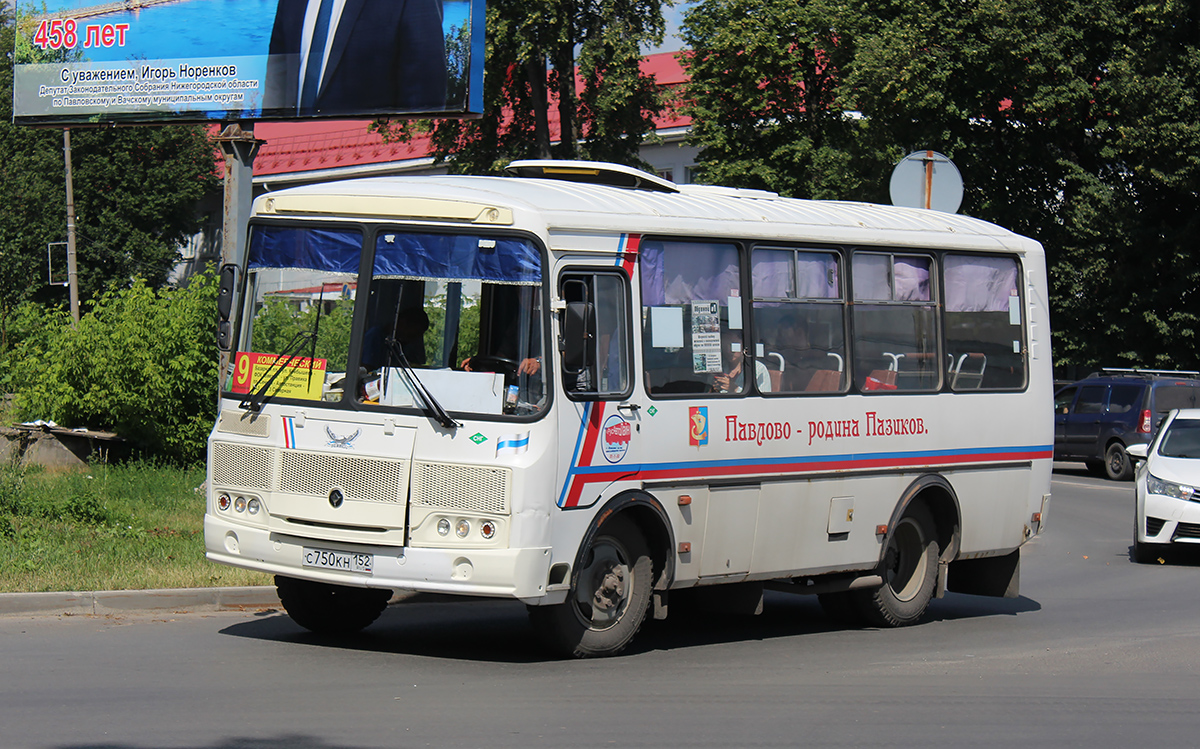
(905, 560)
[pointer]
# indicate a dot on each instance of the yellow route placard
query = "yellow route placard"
(303, 377)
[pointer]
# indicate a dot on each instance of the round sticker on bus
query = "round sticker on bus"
(615, 438)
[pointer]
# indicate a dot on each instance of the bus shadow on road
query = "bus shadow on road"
(498, 631)
(285, 741)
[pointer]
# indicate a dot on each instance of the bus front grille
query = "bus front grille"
(312, 474)
(370, 479)
(246, 423)
(461, 487)
(243, 465)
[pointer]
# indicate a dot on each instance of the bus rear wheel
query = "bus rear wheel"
(330, 609)
(607, 603)
(910, 563)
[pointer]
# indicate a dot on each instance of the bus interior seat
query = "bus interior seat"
(880, 379)
(916, 371)
(967, 372)
(775, 365)
(825, 381)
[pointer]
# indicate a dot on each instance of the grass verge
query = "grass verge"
(126, 527)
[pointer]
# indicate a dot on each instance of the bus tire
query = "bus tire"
(910, 563)
(608, 602)
(330, 609)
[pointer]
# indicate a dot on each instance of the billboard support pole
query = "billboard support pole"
(72, 275)
(239, 146)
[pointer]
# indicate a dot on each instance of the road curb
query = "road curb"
(110, 602)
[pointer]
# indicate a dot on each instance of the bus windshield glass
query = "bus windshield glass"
(453, 318)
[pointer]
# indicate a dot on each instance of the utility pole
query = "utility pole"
(72, 275)
(239, 147)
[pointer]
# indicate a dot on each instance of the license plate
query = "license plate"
(338, 560)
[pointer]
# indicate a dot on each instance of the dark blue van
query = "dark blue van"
(1096, 418)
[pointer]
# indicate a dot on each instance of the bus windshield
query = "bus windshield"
(452, 317)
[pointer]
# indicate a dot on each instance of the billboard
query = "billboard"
(137, 61)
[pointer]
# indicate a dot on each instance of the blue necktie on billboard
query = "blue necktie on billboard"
(316, 55)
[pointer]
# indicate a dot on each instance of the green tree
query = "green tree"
(534, 49)
(135, 192)
(1072, 122)
(277, 324)
(142, 363)
(761, 95)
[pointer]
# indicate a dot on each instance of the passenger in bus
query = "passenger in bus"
(383, 345)
(505, 340)
(407, 329)
(527, 366)
(803, 360)
(733, 381)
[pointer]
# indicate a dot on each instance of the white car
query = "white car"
(1168, 486)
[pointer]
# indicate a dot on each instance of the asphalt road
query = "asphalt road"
(1097, 652)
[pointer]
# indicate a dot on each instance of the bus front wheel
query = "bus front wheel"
(910, 563)
(608, 602)
(330, 609)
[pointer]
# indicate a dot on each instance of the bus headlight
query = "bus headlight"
(253, 506)
(487, 529)
(239, 504)
(462, 528)
(443, 527)
(224, 502)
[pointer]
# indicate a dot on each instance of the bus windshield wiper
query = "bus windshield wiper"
(254, 400)
(432, 408)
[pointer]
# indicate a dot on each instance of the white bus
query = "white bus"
(589, 389)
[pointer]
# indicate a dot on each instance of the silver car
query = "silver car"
(1168, 486)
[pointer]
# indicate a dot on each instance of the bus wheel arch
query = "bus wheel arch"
(939, 496)
(922, 537)
(623, 564)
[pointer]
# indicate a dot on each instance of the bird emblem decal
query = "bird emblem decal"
(342, 442)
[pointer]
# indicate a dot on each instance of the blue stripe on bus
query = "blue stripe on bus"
(766, 462)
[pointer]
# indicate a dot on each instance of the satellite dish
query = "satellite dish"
(927, 179)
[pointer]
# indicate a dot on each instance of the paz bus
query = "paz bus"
(592, 390)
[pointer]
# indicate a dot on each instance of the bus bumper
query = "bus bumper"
(504, 573)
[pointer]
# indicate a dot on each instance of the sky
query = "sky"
(673, 16)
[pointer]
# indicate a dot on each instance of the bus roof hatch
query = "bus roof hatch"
(591, 172)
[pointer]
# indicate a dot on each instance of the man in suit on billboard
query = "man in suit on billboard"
(331, 57)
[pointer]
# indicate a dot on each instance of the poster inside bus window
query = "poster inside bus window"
(88, 61)
(297, 377)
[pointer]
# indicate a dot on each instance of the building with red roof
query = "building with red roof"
(321, 150)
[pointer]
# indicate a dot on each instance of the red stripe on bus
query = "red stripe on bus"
(595, 418)
(632, 244)
(579, 481)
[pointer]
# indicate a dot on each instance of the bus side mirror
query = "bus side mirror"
(576, 330)
(225, 294)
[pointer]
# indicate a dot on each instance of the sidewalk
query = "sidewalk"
(109, 602)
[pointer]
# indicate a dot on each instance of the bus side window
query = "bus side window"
(984, 318)
(799, 324)
(692, 329)
(594, 335)
(895, 322)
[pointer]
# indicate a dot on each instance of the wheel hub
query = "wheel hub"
(604, 586)
(611, 590)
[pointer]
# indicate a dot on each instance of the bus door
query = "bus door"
(598, 404)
